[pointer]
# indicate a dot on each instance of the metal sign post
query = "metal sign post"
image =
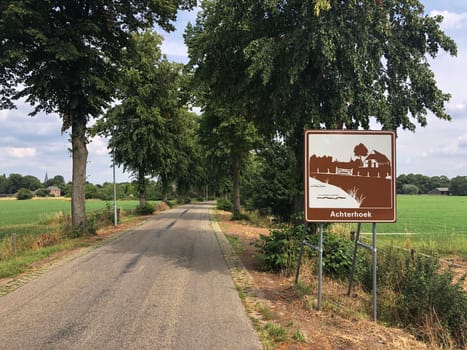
(373, 250)
(374, 271)
(319, 249)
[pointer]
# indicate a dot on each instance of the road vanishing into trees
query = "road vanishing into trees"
(162, 285)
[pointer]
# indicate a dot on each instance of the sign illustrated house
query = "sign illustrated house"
(342, 173)
(377, 160)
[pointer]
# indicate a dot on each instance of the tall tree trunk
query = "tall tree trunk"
(80, 157)
(165, 188)
(236, 186)
(299, 200)
(141, 189)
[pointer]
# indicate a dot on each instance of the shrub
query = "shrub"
(224, 204)
(337, 257)
(427, 291)
(148, 209)
(23, 194)
(42, 192)
(425, 297)
(280, 250)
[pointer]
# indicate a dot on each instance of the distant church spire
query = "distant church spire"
(46, 178)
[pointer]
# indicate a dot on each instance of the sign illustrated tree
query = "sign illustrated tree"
(360, 151)
(64, 56)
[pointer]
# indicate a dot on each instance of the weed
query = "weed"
(235, 243)
(299, 337)
(267, 313)
(276, 332)
(302, 289)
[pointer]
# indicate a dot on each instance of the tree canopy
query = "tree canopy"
(64, 57)
(296, 65)
(146, 126)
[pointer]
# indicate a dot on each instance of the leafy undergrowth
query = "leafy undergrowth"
(286, 316)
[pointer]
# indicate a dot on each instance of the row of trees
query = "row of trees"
(265, 71)
(13, 182)
(421, 184)
(66, 57)
(262, 72)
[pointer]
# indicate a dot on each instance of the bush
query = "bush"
(23, 194)
(224, 204)
(148, 209)
(337, 256)
(410, 189)
(280, 250)
(42, 192)
(427, 291)
(426, 298)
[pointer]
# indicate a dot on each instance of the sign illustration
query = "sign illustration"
(350, 176)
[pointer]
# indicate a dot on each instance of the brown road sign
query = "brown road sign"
(350, 176)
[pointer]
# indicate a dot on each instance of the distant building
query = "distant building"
(440, 191)
(54, 191)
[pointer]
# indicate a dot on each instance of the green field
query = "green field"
(429, 223)
(434, 223)
(31, 216)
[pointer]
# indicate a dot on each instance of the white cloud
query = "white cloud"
(20, 152)
(456, 108)
(174, 48)
(98, 146)
(451, 20)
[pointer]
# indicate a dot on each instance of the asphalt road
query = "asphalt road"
(164, 285)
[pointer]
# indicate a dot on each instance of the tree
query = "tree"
(410, 189)
(220, 77)
(91, 191)
(64, 57)
(143, 126)
(3, 184)
(191, 171)
(331, 64)
(272, 190)
(23, 194)
(459, 186)
(14, 183)
(229, 139)
(31, 182)
(57, 180)
(440, 181)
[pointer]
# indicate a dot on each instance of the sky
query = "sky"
(35, 145)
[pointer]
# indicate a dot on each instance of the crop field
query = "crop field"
(430, 223)
(33, 216)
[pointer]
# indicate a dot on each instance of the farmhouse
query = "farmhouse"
(54, 191)
(440, 191)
